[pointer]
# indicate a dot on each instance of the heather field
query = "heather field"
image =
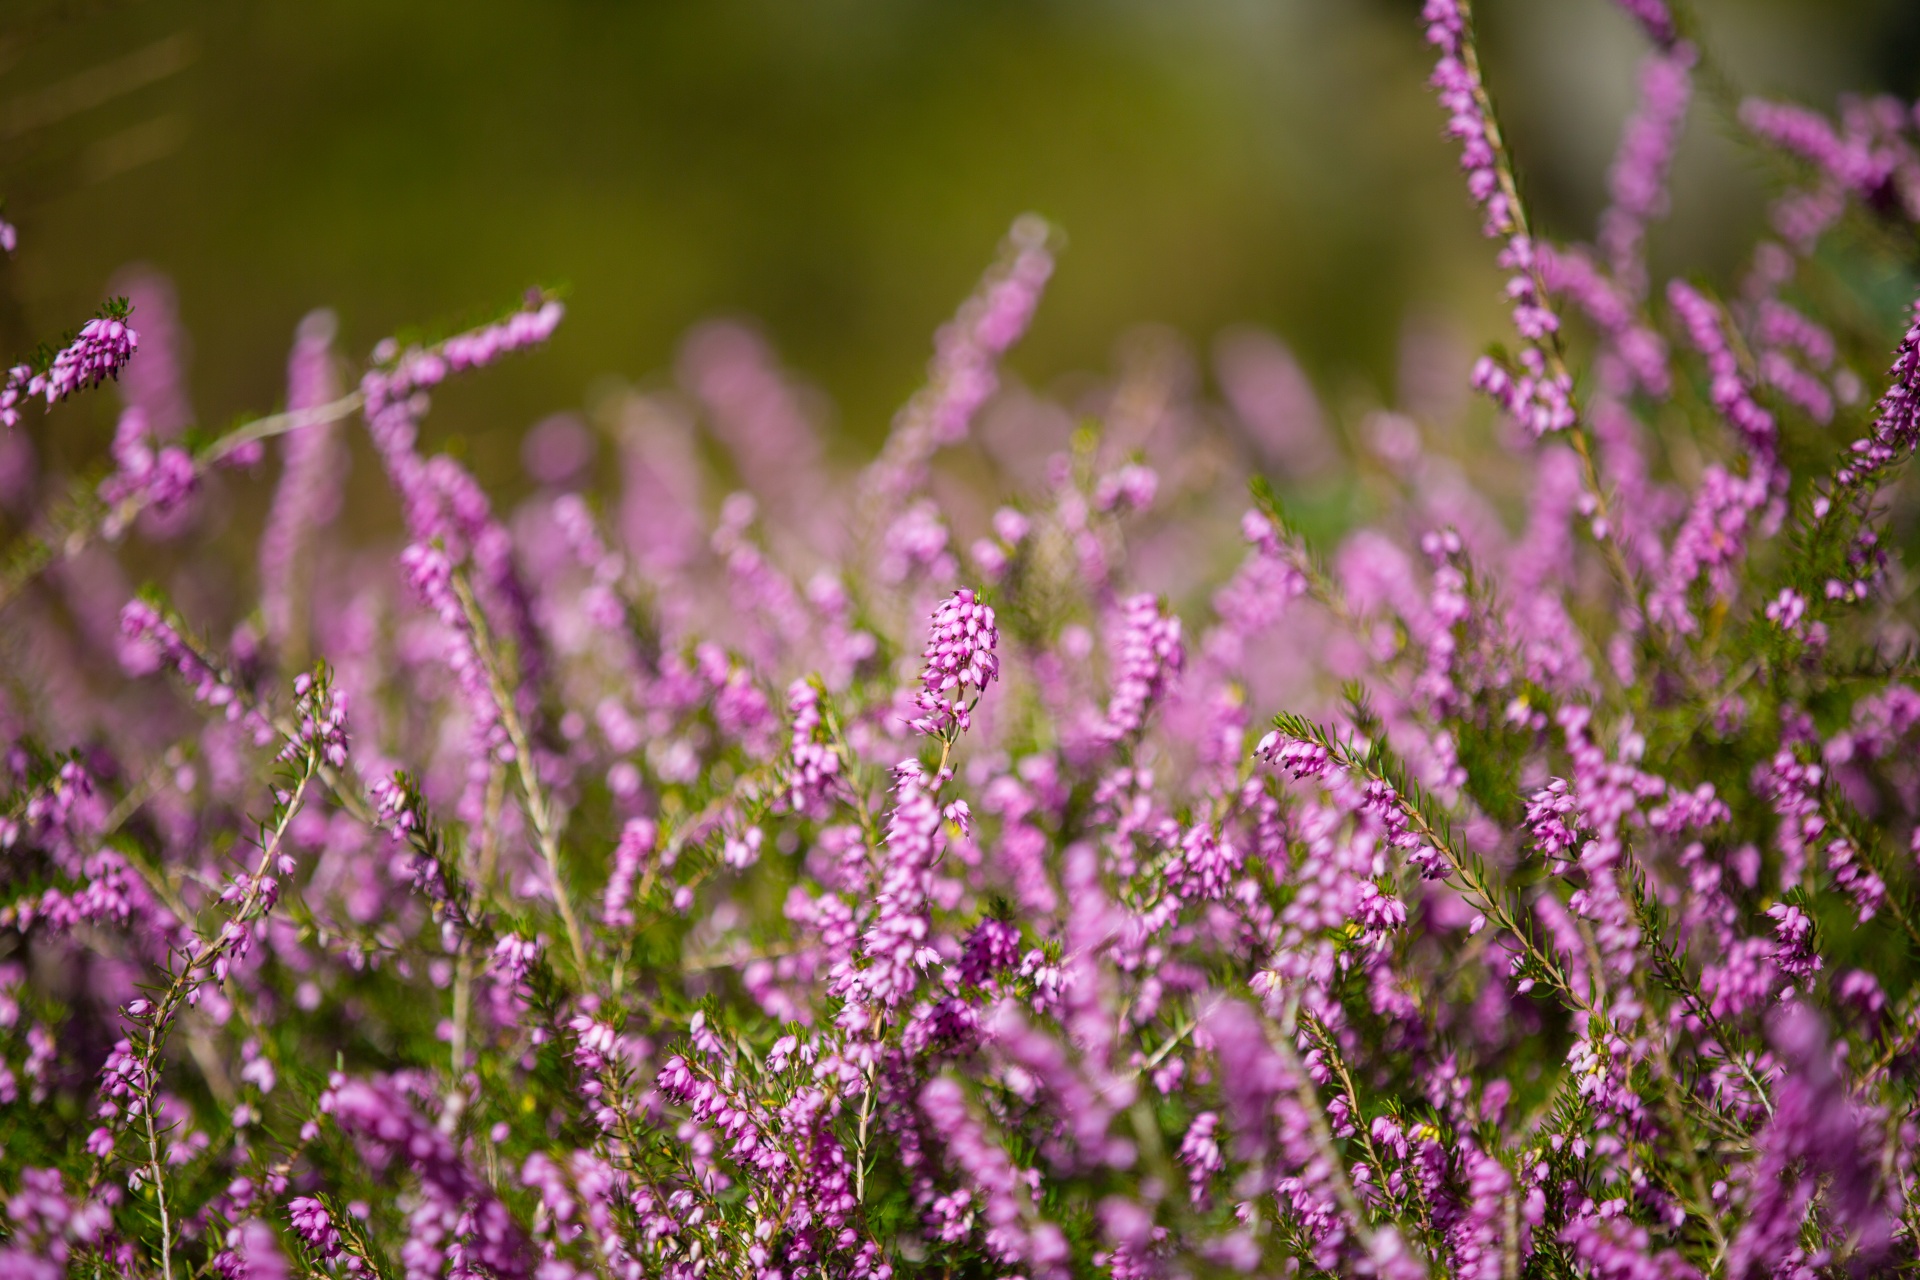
(1385, 787)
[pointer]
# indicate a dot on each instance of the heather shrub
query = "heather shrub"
(1034, 852)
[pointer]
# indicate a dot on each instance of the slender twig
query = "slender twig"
(84, 517)
(1552, 346)
(534, 801)
(158, 1020)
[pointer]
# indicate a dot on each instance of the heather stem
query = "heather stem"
(1325, 1040)
(1551, 346)
(187, 981)
(533, 796)
(83, 518)
(1471, 876)
(1322, 1133)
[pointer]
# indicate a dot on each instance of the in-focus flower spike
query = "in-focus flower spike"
(1896, 420)
(100, 350)
(314, 1225)
(1535, 391)
(960, 662)
(321, 727)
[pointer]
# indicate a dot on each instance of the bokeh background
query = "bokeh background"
(839, 171)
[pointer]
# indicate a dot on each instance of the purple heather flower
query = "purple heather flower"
(959, 664)
(1610, 1246)
(1015, 1235)
(1534, 395)
(638, 839)
(1794, 954)
(1858, 157)
(1638, 180)
(964, 372)
(1812, 1145)
(1896, 420)
(896, 947)
(309, 495)
(149, 476)
(1728, 388)
(1573, 275)
(455, 1219)
(1304, 760)
(1711, 542)
(1653, 16)
(1273, 399)
(252, 1253)
(1147, 656)
(99, 352)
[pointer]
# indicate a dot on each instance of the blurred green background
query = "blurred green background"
(839, 170)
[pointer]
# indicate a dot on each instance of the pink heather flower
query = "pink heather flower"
(1015, 1234)
(991, 949)
(964, 372)
(252, 1253)
(1611, 1246)
(896, 946)
(455, 1216)
(1896, 420)
(1640, 167)
(1787, 610)
(1205, 866)
(313, 1224)
(1532, 393)
(322, 726)
(148, 476)
(1130, 488)
(101, 350)
(1711, 542)
(813, 763)
(9, 238)
(309, 495)
(1146, 658)
(152, 642)
(1200, 1152)
(637, 842)
(13, 393)
(1728, 389)
(1477, 1239)
(1859, 158)
(1794, 953)
(1653, 16)
(1573, 275)
(1273, 399)
(959, 664)
(1304, 760)
(1813, 1137)
(1535, 398)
